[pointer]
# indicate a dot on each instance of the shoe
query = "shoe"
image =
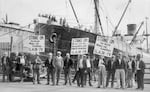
(137, 88)
(123, 88)
(72, 81)
(98, 87)
(70, 84)
(38, 83)
(78, 85)
(53, 84)
(90, 84)
(141, 88)
(47, 83)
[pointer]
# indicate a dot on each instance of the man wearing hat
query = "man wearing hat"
(58, 64)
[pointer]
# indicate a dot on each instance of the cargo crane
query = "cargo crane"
(74, 13)
(134, 37)
(116, 28)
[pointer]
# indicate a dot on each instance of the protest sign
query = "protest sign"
(36, 43)
(104, 46)
(79, 46)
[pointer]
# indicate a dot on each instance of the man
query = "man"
(82, 68)
(133, 69)
(110, 71)
(101, 72)
(95, 67)
(130, 72)
(21, 61)
(140, 66)
(68, 63)
(58, 64)
(120, 71)
(77, 73)
(49, 63)
(88, 69)
(5, 66)
(36, 69)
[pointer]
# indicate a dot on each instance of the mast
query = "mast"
(134, 37)
(147, 36)
(97, 18)
(96, 27)
(74, 13)
(121, 18)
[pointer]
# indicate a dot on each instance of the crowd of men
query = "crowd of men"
(124, 69)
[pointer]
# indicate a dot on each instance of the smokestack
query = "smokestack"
(131, 29)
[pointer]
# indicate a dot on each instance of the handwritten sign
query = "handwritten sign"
(37, 43)
(104, 46)
(79, 46)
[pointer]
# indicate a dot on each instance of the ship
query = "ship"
(64, 35)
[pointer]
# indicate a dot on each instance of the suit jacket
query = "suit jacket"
(37, 63)
(7, 61)
(110, 66)
(68, 64)
(95, 63)
(142, 66)
(132, 65)
(121, 65)
(49, 65)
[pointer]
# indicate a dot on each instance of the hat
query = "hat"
(58, 52)
(50, 54)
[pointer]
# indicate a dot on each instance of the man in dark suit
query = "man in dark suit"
(5, 66)
(140, 66)
(68, 63)
(50, 68)
(110, 67)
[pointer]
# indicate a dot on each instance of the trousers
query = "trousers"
(102, 76)
(120, 76)
(67, 73)
(140, 77)
(51, 73)
(111, 74)
(36, 74)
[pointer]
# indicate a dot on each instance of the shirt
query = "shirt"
(81, 63)
(137, 65)
(4, 60)
(119, 61)
(50, 59)
(22, 61)
(130, 65)
(101, 63)
(58, 62)
(112, 64)
(88, 63)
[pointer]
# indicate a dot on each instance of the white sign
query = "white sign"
(104, 46)
(37, 43)
(79, 46)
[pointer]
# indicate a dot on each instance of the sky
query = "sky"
(24, 11)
